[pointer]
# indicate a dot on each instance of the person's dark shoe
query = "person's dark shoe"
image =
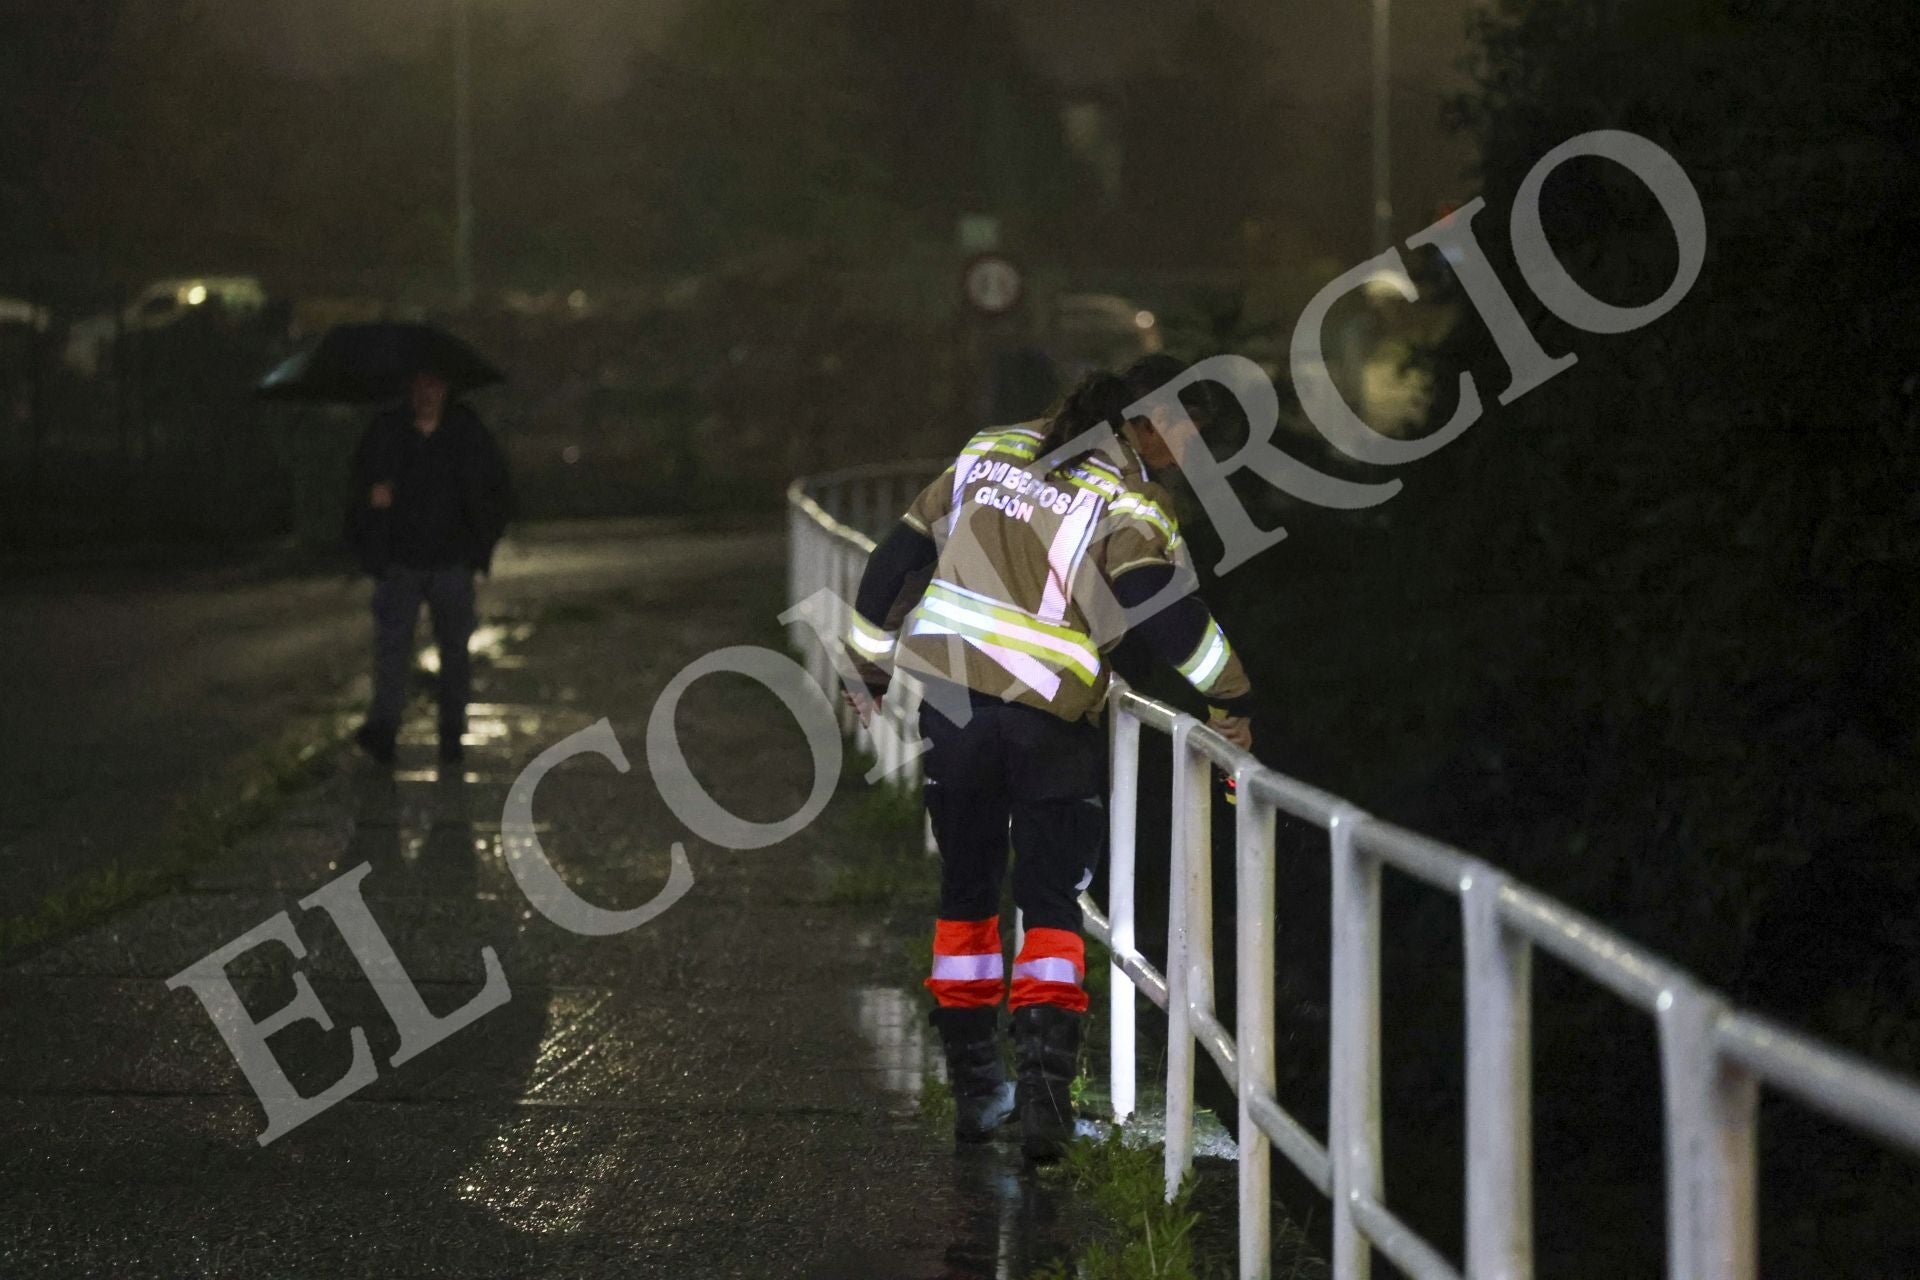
(982, 1094)
(376, 741)
(1046, 1051)
(451, 732)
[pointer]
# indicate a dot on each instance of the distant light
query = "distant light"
(1144, 319)
(577, 300)
(570, 454)
(196, 295)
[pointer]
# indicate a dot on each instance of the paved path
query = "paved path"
(729, 1090)
(140, 682)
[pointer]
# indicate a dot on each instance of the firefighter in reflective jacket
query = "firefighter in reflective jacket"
(1000, 590)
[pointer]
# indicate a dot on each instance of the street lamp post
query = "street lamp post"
(463, 152)
(1382, 133)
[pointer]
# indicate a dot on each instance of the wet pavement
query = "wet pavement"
(731, 1089)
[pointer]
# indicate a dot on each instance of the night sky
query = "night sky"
(1320, 49)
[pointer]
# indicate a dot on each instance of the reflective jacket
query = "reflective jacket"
(1031, 578)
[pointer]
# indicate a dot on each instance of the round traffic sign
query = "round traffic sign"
(992, 284)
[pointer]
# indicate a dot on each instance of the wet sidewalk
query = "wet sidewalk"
(731, 1089)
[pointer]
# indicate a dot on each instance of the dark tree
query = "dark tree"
(1207, 146)
(1725, 498)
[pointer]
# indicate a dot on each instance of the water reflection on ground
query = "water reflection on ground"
(900, 1044)
(1014, 1221)
(1007, 1220)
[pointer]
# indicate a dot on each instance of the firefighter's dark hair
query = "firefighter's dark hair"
(1098, 397)
(1202, 399)
(1150, 373)
(1105, 397)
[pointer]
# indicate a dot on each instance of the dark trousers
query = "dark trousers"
(397, 596)
(1019, 771)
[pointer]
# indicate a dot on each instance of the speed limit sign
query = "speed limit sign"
(992, 284)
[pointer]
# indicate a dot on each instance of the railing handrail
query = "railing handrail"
(880, 475)
(826, 553)
(1714, 1057)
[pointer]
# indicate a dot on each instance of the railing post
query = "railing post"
(1353, 1077)
(860, 505)
(830, 582)
(1499, 968)
(819, 547)
(822, 661)
(1123, 805)
(1712, 1106)
(820, 558)
(1189, 827)
(885, 742)
(796, 530)
(903, 708)
(1253, 1020)
(851, 562)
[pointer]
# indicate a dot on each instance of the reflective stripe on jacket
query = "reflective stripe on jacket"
(1020, 604)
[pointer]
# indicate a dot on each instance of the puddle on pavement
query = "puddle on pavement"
(490, 643)
(1013, 1222)
(431, 832)
(899, 1041)
(1005, 1221)
(500, 1183)
(1008, 1219)
(489, 724)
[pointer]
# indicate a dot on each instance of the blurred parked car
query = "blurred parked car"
(1099, 331)
(16, 311)
(158, 306)
(312, 315)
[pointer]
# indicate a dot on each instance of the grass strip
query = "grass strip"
(1152, 1237)
(203, 827)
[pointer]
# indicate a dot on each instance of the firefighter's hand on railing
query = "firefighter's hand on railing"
(1235, 729)
(863, 705)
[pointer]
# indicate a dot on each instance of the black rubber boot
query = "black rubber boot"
(982, 1095)
(451, 732)
(1046, 1051)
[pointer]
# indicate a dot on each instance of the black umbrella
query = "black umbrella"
(365, 363)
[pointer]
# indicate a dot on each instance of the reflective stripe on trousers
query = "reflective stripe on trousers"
(968, 971)
(1049, 969)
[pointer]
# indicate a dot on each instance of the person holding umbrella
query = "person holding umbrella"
(430, 500)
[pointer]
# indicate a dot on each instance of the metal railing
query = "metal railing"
(1714, 1058)
(831, 522)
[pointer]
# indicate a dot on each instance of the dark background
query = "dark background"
(1645, 636)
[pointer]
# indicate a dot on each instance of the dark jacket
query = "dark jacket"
(482, 500)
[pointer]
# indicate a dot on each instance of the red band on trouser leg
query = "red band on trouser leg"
(968, 971)
(1049, 970)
